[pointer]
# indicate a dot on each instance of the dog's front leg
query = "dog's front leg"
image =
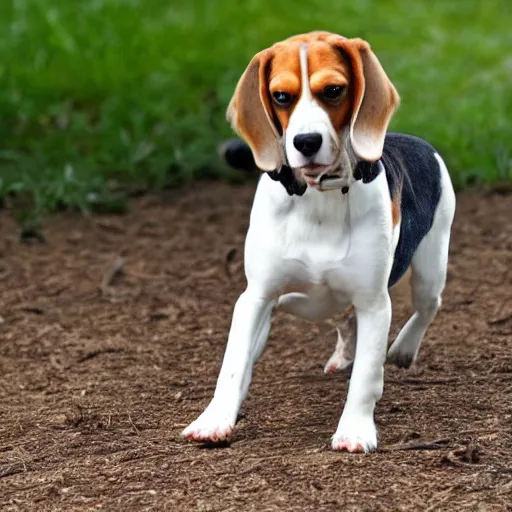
(247, 338)
(356, 430)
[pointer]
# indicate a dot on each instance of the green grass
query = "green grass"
(101, 93)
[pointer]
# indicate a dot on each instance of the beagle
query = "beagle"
(341, 213)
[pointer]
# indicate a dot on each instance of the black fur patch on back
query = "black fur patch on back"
(411, 166)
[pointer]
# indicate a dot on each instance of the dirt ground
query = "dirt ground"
(112, 333)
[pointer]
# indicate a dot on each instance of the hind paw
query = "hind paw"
(400, 357)
(341, 358)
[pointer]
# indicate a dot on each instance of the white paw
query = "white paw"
(341, 358)
(335, 363)
(401, 355)
(355, 434)
(213, 426)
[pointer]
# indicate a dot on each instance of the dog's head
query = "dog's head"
(316, 102)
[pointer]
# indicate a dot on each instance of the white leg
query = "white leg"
(343, 355)
(426, 300)
(247, 338)
(356, 430)
(429, 267)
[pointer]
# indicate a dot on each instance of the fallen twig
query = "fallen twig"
(108, 226)
(423, 382)
(13, 469)
(95, 353)
(133, 425)
(140, 275)
(501, 320)
(115, 269)
(436, 444)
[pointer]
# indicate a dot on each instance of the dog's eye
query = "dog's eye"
(282, 99)
(333, 92)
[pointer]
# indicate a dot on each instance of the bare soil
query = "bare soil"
(111, 337)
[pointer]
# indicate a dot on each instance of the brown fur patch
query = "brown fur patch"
(285, 77)
(395, 207)
(326, 66)
(250, 113)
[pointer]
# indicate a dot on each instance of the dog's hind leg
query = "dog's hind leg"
(318, 309)
(343, 355)
(429, 267)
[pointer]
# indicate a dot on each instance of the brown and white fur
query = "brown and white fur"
(370, 205)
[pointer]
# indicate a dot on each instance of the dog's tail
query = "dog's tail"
(237, 154)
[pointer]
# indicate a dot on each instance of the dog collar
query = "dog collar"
(363, 171)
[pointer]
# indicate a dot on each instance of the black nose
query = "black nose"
(308, 143)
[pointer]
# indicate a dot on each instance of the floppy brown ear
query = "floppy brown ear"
(250, 114)
(374, 99)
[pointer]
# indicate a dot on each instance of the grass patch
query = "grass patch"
(99, 94)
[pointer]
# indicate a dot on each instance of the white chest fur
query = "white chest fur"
(341, 243)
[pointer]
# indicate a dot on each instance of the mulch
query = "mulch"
(112, 332)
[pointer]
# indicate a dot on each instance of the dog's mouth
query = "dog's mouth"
(323, 177)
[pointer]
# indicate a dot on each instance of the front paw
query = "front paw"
(355, 435)
(213, 426)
